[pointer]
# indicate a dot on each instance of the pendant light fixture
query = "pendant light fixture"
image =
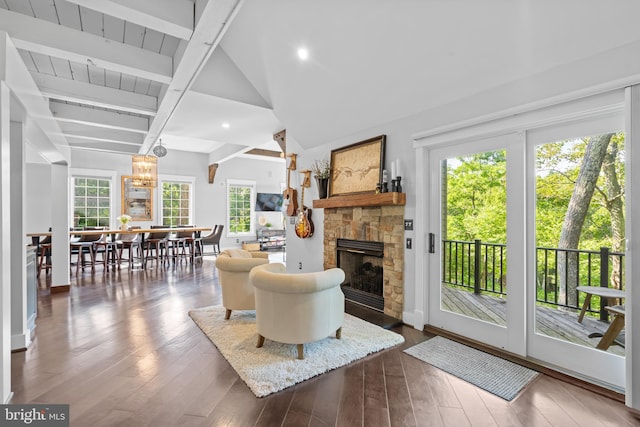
(159, 150)
(144, 170)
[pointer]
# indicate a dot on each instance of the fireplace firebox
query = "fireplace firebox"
(362, 262)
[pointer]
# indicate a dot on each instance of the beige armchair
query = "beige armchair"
(233, 267)
(297, 308)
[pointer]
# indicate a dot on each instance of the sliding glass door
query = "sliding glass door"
(468, 240)
(578, 247)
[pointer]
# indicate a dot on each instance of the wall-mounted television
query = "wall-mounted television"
(266, 202)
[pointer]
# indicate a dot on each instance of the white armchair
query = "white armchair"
(297, 308)
(233, 267)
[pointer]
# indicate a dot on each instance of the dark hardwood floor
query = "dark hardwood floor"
(122, 351)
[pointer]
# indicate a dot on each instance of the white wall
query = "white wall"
(604, 71)
(39, 195)
(269, 175)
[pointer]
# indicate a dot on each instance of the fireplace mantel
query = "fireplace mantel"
(362, 200)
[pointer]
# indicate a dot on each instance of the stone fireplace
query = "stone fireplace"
(383, 224)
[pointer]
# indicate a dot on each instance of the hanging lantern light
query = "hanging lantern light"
(144, 170)
(159, 150)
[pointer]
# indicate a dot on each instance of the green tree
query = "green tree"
(476, 197)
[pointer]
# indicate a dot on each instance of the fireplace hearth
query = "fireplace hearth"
(383, 225)
(362, 262)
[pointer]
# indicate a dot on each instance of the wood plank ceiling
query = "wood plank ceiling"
(107, 65)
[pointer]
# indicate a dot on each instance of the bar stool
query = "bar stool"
(44, 255)
(180, 241)
(194, 242)
(156, 241)
(130, 242)
(85, 245)
(109, 250)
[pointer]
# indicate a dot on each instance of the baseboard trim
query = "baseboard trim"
(20, 342)
(413, 318)
(59, 289)
(603, 391)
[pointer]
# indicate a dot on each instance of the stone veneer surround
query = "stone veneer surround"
(380, 224)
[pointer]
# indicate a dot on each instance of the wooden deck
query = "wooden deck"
(562, 324)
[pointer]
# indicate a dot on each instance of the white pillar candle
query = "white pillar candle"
(397, 168)
(393, 170)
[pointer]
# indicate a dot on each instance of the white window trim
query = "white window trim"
(94, 173)
(252, 227)
(611, 103)
(176, 178)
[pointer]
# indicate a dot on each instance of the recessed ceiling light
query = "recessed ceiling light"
(303, 53)
(226, 125)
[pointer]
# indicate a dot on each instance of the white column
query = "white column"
(20, 335)
(418, 316)
(5, 245)
(632, 263)
(60, 278)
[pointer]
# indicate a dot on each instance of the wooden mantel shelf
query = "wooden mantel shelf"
(362, 200)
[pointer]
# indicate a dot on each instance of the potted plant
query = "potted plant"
(322, 171)
(124, 221)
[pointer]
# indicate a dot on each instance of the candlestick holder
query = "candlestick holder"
(398, 181)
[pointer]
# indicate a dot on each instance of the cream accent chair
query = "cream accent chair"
(233, 267)
(297, 308)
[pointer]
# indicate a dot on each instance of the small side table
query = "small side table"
(610, 293)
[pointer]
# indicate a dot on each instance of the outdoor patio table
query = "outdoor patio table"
(610, 293)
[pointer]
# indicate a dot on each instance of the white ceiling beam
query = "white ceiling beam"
(173, 17)
(97, 142)
(99, 118)
(99, 96)
(227, 152)
(43, 131)
(50, 39)
(214, 20)
(100, 134)
(104, 147)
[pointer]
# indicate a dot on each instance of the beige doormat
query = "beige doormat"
(275, 366)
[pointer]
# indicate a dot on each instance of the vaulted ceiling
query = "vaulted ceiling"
(221, 77)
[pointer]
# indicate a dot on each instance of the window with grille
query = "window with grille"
(240, 196)
(176, 203)
(91, 202)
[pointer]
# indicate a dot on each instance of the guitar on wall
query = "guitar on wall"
(304, 225)
(290, 194)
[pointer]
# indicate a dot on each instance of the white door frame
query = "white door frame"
(495, 335)
(591, 106)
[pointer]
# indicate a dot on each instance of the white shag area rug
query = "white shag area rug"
(275, 366)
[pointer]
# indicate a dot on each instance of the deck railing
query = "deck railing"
(482, 267)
